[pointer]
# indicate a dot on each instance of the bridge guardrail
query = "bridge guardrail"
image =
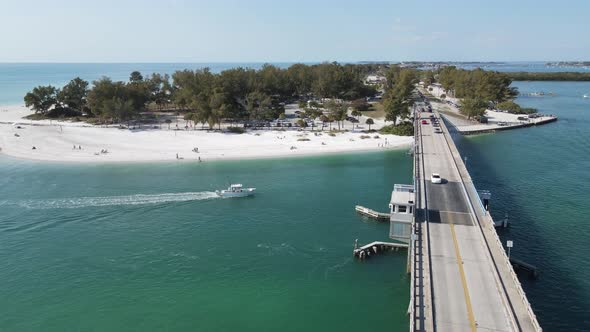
(494, 234)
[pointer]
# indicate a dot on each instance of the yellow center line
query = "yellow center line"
(463, 281)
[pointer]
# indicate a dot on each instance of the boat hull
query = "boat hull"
(231, 194)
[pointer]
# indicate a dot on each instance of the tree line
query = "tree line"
(555, 76)
(479, 89)
(206, 97)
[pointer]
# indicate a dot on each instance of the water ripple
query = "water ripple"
(82, 202)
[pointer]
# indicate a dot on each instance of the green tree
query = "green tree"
(301, 123)
(369, 122)
(338, 111)
(514, 108)
(220, 106)
(73, 95)
(472, 107)
(160, 90)
(104, 90)
(118, 109)
(360, 105)
(395, 109)
(201, 103)
(135, 77)
(356, 113)
(258, 105)
(428, 77)
(41, 99)
(188, 117)
(325, 119)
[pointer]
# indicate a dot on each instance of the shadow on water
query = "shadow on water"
(554, 296)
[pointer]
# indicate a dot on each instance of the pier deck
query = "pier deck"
(372, 213)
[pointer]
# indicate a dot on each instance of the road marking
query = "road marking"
(463, 280)
(450, 212)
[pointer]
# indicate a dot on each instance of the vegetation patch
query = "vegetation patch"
(376, 111)
(514, 108)
(402, 129)
(557, 76)
(303, 139)
(236, 130)
(365, 136)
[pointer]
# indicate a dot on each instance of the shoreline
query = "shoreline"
(193, 162)
(54, 141)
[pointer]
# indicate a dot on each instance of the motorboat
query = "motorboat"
(236, 190)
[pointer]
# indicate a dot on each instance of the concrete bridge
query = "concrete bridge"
(462, 279)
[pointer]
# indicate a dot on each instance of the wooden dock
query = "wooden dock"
(372, 213)
(375, 247)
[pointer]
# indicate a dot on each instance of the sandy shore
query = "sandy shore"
(54, 141)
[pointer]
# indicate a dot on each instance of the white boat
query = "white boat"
(586, 96)
(236, 190)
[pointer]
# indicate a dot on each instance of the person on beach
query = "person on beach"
(177, 156)
(79, 147)
(199, 159)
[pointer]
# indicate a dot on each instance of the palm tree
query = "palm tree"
(168, 121)
(369, 122)
(356, 113)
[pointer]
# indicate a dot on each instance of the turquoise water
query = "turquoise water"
(80, 250)
(540, 177)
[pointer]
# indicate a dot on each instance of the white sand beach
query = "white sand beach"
(55, 141)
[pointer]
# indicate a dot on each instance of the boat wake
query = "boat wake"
(139, 199)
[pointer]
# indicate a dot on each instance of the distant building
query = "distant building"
(374, 79)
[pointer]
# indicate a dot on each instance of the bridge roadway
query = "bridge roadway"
(466, 282)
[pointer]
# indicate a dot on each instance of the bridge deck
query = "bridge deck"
(467, 291)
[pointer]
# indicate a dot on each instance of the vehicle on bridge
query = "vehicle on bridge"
(435, 178)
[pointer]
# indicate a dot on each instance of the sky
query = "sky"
(293, 31)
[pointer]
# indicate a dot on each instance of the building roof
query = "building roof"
(403, 194)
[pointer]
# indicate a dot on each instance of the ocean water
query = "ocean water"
(150, 247)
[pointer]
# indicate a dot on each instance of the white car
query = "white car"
(435, 178)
